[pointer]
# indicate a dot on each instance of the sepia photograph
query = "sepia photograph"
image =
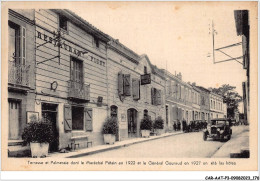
(169, 83)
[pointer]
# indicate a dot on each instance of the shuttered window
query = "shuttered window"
(136, 89)
(88, 114)
(159, 97)
(77, 118)
(76, 70)
(120, 83)
(127, 85)
(156, 96)
(153, 96)
(67, 118)
(14, 47)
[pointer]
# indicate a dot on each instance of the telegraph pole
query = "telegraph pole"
(213, 42)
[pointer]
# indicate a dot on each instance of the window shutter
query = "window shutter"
(127, 85)
(158, 97)
(23, 45)
(120, 83)
(67, 118)
(88, 119)
(152, 96)
(129, 122)
(87, 92)
(136, 89)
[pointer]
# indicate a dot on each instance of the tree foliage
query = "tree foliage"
(230, 97)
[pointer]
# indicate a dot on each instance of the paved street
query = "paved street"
(188, 145)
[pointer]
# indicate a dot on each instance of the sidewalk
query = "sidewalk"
(102, 148)
(235, 145)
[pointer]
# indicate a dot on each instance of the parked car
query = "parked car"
(219, 128)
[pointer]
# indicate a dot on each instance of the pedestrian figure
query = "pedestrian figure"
(174, 126)
(184, 125)
(179, 125)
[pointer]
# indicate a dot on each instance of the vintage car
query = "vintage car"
(218, 129)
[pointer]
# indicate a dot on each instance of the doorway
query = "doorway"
(77, 118)
(132, 123)
(49, 113)
(114, 114)
(14, 119)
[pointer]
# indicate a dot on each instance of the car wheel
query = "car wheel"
(229, 136)
(222, 138)
(205, 135)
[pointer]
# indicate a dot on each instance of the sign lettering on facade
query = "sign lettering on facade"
(67, 47)
(145, 79)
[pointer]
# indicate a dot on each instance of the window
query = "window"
(96, 42)
(14, 42)
(63, 22)
(76, 70)
(156, 98)
(77, 118)
(145, 70)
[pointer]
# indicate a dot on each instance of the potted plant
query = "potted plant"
(158, 125)
(146, 126)
(38, 134)
(110, 129)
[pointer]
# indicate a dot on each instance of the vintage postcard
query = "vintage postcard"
(129, 86)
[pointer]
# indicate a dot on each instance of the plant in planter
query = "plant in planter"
(146, 126)
(110, 130)
(38, 134)
(158, 125)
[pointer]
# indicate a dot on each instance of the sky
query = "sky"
(174, 34)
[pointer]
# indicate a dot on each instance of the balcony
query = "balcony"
(78, 91)
(18, 75)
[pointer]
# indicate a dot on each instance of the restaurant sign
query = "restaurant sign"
(65, 45)
(145, 79)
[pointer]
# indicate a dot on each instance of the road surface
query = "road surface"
(187, 145)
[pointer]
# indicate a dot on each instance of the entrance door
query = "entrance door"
(49, 113)
(132, 122)
(14, 120)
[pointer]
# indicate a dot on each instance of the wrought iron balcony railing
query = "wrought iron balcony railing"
(18, 74)
(78, 90)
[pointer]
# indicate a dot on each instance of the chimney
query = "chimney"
(193, 83)
(179, 76)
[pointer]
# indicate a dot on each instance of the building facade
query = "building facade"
(204, 103)
(21, 67)
(216, 106)
(130, 99)
(178, 99)
(71, 76)
(196, 100)
(64, 70)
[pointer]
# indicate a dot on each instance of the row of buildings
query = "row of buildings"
(63, 69)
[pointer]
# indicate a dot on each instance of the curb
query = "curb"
(119, 146)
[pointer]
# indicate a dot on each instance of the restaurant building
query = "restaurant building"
(178, 99)
(135, 89)
(21, 78)
(71, 76)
